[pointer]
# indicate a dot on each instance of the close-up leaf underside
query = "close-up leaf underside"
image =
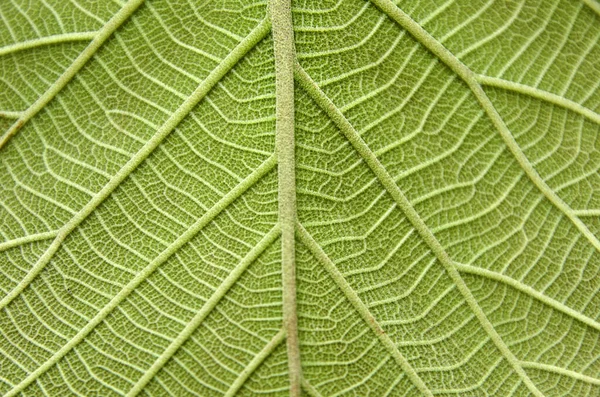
(300, 198)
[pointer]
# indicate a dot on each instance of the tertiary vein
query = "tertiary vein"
(257, 34)
(390, 185)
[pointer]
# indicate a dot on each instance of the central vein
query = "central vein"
(283, 37)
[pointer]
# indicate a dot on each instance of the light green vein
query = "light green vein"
(362, 309)
(27, 239)
(388, 182)
(255, 363)
(213, 78)
(285, 57)
(310, 389)
(210, 304)
(529, 291)
(147, 271)
(587, 212)
(540, 94)
(594, 5)
(42, 41)
(470, 79)
(99, 38)
(9, 114)
(561, 371)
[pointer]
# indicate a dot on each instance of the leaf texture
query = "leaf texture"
(305, 198)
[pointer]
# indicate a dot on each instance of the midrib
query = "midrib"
(283, 38)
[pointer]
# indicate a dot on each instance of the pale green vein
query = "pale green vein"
(310, 389)
(540, 94)
(206, 309)
(388, 182)
(561, 371)
(361, 308)
(147, 271)
(99, 38)
(48, 40)
(213, 78)
(27, 239)
(470, 79)
(594, 5)
(529, 291)
(255, 363)
(9, 114)
(285, 57)
(473, 386)
(587, 212)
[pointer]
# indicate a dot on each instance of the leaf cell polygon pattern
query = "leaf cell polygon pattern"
(440, 228)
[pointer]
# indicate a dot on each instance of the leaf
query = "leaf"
(321, 199)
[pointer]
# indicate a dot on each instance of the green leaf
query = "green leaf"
(321, 198)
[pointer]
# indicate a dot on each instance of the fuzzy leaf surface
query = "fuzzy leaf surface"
(315, 198)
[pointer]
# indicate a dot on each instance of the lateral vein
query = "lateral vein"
(470, 78)
(362, 309)
(205, 219)
(539, 94)
(561, 371)
(203, 89)
(594, 5)
(10, 114)
(390, 185)
(205, 310)
(529, 291)
(27, 239)
(255, 363)
(48, 40)
(310, 389)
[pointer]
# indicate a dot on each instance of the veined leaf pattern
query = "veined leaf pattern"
(320, 198)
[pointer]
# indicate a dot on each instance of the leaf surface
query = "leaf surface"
(319, 198)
